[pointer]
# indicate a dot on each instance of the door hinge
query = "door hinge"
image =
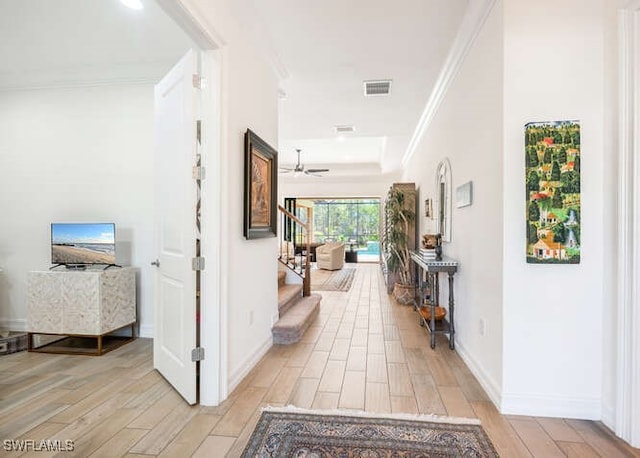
(199, 131)
(197, 354)
(198, 81)
(197, 263)
(199, 172)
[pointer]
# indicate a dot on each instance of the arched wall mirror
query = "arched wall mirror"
(443, 200)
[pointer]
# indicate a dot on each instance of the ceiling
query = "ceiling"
(63, 42)
(322, 51)
(325, 50)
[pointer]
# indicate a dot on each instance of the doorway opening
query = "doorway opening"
(352, 221)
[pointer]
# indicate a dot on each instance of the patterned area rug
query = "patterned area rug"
(332, 280)
(313, 435)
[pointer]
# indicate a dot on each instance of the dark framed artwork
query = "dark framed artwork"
(260, 187)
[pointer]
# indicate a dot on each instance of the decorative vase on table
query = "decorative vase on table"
(438, 253)
(438, 248)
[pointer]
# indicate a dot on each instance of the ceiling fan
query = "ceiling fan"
(299, 168)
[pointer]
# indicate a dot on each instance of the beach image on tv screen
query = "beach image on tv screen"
(83, 243)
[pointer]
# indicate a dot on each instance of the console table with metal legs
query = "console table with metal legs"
(428, 293)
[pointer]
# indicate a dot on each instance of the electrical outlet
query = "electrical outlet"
(483, 327)
(250, 317)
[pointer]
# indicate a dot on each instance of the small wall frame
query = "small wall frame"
(464, 195)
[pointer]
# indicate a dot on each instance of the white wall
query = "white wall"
(74, 155)
(253, 296)
(548, 327)
(467, 129)
(249, 101)
(553, 331)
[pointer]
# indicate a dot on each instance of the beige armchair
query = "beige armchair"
(330, 256)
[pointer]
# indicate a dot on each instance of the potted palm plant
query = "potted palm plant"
(400, 214)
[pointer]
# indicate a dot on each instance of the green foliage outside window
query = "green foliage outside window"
(347, 220)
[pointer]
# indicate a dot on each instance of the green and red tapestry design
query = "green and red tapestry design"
(552, 158)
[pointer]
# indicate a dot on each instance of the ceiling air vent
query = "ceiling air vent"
(380, 87)
(344, 129)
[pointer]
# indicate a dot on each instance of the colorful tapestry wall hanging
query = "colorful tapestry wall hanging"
(552, 164)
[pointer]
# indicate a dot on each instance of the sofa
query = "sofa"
(330, 256)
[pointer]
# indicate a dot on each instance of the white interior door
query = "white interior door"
(176, 194)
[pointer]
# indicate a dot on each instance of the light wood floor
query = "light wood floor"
(362, 353)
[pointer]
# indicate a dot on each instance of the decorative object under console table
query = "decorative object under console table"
(428, 293)
(81, 309)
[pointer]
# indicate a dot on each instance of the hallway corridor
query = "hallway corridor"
(363, 352)
(367, 353)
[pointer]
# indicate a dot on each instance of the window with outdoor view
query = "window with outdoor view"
(355, 222)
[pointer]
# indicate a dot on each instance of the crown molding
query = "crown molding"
(257, 32)
(76, 84)
(474, 18)
(193, 22)
(117, 74)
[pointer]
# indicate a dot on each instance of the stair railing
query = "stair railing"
(295, 232)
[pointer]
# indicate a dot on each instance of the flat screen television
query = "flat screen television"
(83, 243)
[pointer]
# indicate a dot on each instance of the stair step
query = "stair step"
(282, 277)
(287, 296)
(292, 325)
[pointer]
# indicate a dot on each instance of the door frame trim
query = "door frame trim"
(213, 287)
(213, 293)
(627, 364)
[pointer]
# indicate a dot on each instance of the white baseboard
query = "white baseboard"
(489, 385)
(13, 324)
(236, 376)
(608, 417)
(146, 330)
(544, 405)
(533, 404)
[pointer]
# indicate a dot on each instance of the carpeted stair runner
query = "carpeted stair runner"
(296, 312)
(288, 295)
